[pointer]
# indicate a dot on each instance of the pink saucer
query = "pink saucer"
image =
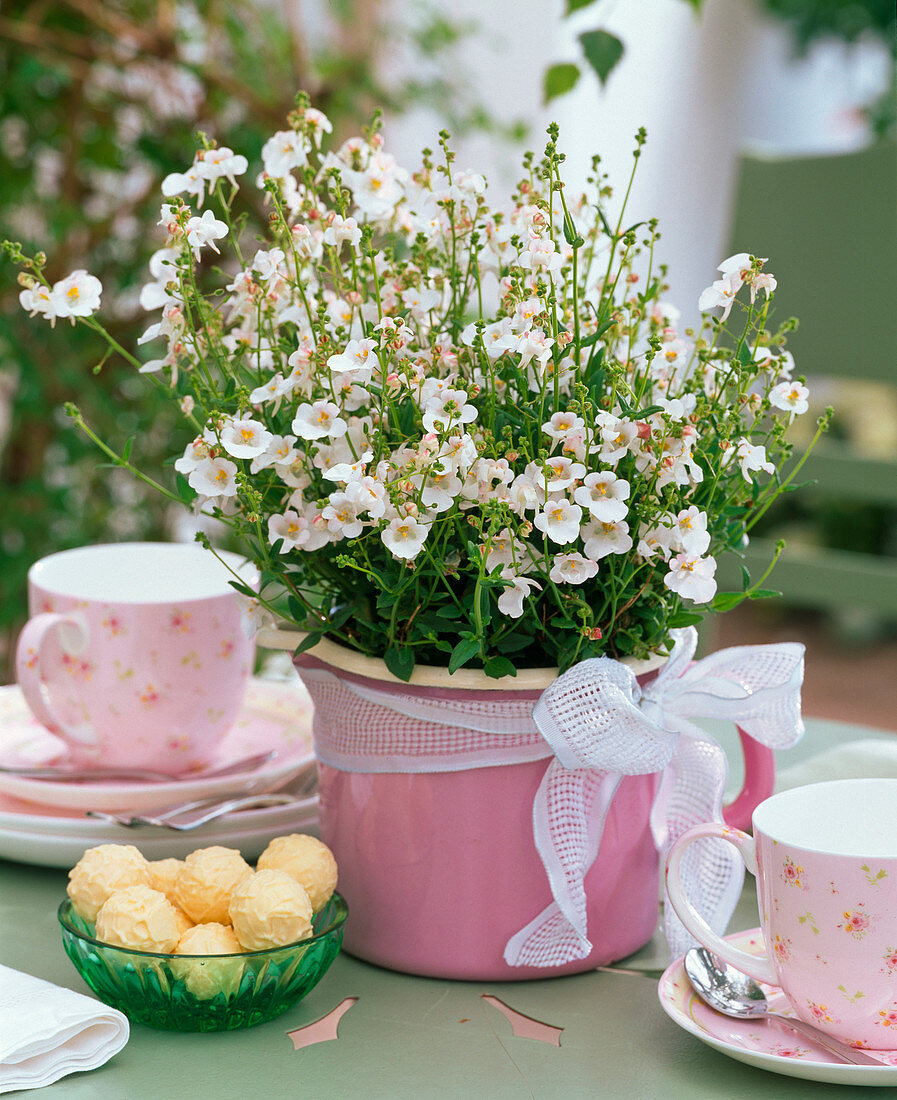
(274, 715)
(767, 1044)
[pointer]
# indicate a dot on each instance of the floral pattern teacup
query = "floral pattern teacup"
(825, 858)
(135, 653)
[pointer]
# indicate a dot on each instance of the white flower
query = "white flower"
(268, 391)
(279, 452)
(318, 124)
(561, 472)
(289, 527)
(205, 231)
(524, 495)
(405, 537)
(654, 540)
(245, 438)
(559, 520)
(318, 420)
(690, 531)
(342, 229)
(790, 396)
(504, 549)
(194, 455)
(283, 152)
(563, 424)
(368, 495)
(721, 293)
(254, 616)
(601, 538)
(572, 569)
(448, 408)
(763, 281)
(510, 602)
(617, 438)
(752, 458)
(341, 516)
(182, 183)
(692, 577)
(214, 477)
(355, 361)
(39, 299)
(739, 264)
(78, 295)
(420, 300)
(540, 255)
(440, 489)
(221, 163)
(604, 495)
(267, 264)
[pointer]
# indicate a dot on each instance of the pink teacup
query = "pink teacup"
(825, 858)
(135, 654)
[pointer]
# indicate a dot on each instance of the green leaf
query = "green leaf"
(463, 651)
(764, 594)
(243, 589)
(559, 80)
(340, 616)
(310, 639)
(126, 453)
(496, 667)
(450, 611)
(576, 5)
(602, 51)
(400, 661)
(725, 601)
(684, 618)
(745, 578)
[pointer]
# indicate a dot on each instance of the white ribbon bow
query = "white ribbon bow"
(601, 725)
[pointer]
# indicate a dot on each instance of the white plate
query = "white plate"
(250, 831)
(274, 715)
(765, 1044)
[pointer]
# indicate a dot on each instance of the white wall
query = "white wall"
(705, 86)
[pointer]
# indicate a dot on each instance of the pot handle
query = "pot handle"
(759, 780)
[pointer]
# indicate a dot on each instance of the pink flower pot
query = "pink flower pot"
(440, 869)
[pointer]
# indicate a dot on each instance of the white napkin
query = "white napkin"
(47, 1031)
(870, 758)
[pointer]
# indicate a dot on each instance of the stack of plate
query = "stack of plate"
(45, 822)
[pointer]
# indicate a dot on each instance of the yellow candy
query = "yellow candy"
(306, 859)
(207, 978)
(270, 909)
(100, 872)
(204, 885)
(140, 918)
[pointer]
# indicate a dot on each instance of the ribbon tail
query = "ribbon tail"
(569, 813)
(712, 871)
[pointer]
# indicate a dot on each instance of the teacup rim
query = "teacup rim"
(829, 787)
(236, 562)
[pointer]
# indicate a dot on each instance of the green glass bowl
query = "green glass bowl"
(204, 992)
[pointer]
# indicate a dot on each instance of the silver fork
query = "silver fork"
(190, 815)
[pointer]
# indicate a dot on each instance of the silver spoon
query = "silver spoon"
(61, 773)
(735, 994)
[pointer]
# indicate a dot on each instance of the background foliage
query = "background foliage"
(99, 100)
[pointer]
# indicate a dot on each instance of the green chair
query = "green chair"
(829, 227)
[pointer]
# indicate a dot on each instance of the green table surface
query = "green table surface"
(417, 1037)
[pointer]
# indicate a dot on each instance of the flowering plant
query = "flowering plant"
(450, 432)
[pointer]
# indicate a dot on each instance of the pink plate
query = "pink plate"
(274, 715)
(766, 1044)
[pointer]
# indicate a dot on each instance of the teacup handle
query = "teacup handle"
(73, 636)
(757, 966)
